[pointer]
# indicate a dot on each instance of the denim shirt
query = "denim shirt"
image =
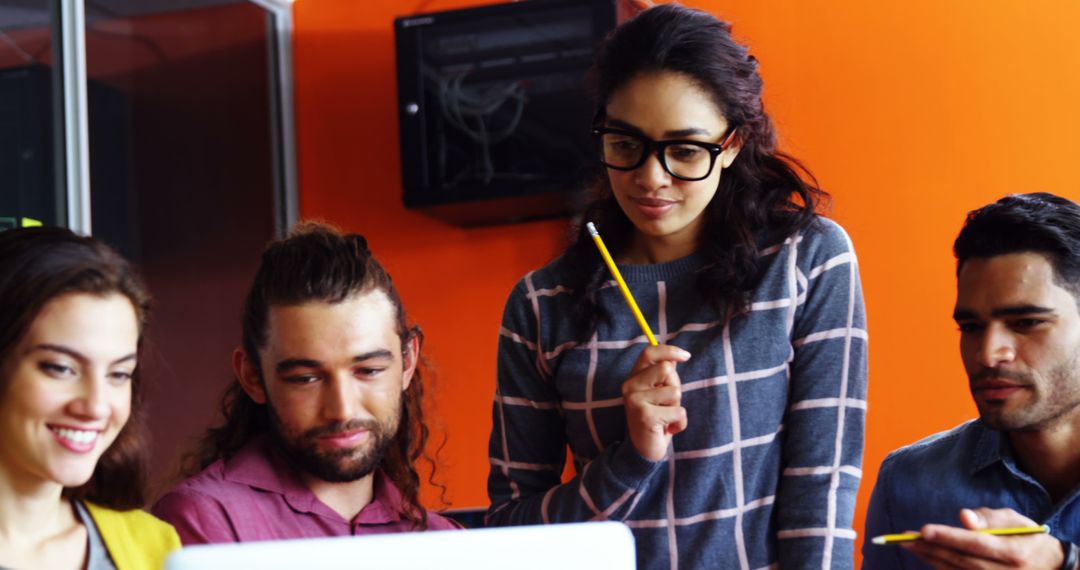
(969, 466)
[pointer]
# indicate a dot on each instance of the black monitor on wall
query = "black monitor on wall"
(493, 113)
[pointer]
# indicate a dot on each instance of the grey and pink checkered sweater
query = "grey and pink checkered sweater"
(766, 472)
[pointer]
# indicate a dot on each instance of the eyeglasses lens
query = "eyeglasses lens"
(682, 160)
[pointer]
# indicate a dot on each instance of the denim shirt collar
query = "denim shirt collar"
(990, 449)
(994, 447)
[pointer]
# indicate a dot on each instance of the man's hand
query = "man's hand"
(948, 547)
(652, 397)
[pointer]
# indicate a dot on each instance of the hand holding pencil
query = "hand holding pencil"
(975, 546)
(652, 396)
(1007, 531)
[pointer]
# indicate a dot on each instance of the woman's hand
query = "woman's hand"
(652, 398)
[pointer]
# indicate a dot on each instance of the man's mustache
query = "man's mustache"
(987, 374)
(342, 427)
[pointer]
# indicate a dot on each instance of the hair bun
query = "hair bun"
(359, 243)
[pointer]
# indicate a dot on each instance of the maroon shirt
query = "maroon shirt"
(255, 495)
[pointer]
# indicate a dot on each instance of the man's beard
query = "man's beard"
(1056, 396)
(339, 465)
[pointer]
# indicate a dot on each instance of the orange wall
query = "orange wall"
(910, 114)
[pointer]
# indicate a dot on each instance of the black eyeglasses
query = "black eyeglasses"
(683, 159)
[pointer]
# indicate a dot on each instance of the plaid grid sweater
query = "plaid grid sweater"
(766, 472)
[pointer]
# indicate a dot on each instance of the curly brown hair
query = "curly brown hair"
(763, 197)
(317, 262)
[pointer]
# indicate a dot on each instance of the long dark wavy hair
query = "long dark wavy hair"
(763, 197)
(38, 265)
(316, 262)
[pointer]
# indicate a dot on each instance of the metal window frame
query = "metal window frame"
(76, 143)
(282, 120)
(76, 139)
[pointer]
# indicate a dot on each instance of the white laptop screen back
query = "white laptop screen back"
(586, 546)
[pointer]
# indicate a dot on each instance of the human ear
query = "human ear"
(247, 375)
(728, 156)
(410, 356)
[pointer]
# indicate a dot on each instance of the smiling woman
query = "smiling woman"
(72, 458)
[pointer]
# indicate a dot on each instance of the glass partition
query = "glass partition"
(31, 118)
(165, 129)
(185, 181)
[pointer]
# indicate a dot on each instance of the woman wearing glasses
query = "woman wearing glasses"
(72, 453)
(737, 442)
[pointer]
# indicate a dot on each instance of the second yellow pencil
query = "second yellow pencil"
(910, 536)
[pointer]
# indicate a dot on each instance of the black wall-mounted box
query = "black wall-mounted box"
(493, 114)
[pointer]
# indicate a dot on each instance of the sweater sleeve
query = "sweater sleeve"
(528, 446)
(824, 423)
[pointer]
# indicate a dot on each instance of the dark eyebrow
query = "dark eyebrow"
(379, 353)
(963, 315)
(1021, 310)
(1018, 310)
(680, 133)
(76, 354)
(674, 134)
(290, 363)
(616, 123)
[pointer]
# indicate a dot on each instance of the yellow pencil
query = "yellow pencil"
(622, 284)
(910, 536)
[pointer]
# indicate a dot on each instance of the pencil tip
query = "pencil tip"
(878, 540)
(592, 229)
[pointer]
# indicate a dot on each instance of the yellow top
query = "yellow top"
(135, 539)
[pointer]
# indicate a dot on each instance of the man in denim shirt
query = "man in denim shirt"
(1018, 274)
